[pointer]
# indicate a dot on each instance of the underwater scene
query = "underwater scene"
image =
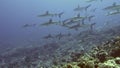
(59, 33)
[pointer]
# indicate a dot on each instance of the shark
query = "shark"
(74, 19)
(114, 6)
(78, 17)
(48, 14)
(71, 22)
(50, 22)
(82, 8)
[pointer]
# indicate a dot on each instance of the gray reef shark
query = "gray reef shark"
(48, 14)
(74, 19)
(50, 22)
(82, 8)
(114, 6)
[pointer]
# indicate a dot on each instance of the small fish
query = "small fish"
(114, 6)
(72, 22)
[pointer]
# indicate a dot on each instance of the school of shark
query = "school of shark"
(78, 21)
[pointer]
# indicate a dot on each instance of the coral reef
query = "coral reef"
(84, 51)
(106, 55)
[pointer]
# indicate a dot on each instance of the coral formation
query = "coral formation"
(73, 54)
(105, 56)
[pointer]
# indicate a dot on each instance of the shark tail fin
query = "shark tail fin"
(60, 14)
(87, 7)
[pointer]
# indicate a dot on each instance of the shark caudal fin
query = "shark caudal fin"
(60, 14)
(87, 7)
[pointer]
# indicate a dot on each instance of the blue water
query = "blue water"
(15, 13)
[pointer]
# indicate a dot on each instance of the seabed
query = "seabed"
(97, 50)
